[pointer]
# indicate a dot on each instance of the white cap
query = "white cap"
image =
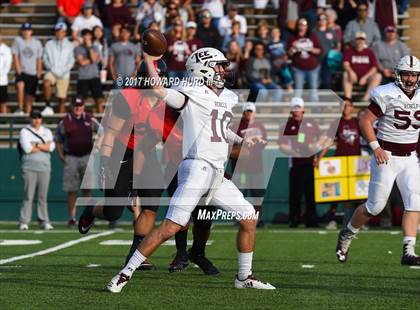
(191, 24)
(297, 103)
(248, 106)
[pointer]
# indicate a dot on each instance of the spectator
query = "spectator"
(116, 13)
(295, 139)
(115, 34)
(193, 42)
(74, 138)
(332, 25)
(288, 15)
(225, 23)
(124, 56)
(263, 33)
(236, 35)
(385, 13)
(36, 143)
(148, 11)
(87, 56)
(329, 41)
(362, 24)
(278, 58)
(68, 10)
(206, 32)
(215, 7)
(172, 12)
(346, 11)
(5, 66)
(248, 171)
(102, 45)
(308, 10)
(261, 78)
(347, 144)
(303, 49)
(236, 64)
(360, 67)
(388, 52)
(84, 21)
(58, 60)
(27, 56)
(177, 51)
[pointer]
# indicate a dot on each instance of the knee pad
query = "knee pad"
(376, 207)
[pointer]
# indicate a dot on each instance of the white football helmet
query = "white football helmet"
(411, 64)
(201, 64)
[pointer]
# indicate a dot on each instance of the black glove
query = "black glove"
(105, 172)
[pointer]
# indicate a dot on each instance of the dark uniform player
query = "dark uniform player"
(124, 129)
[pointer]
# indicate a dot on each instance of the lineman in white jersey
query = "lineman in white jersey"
(206, 112)
(397, 107)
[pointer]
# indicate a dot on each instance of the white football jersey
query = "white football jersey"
(400, 121)
(206, 118)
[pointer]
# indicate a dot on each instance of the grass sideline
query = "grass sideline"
(372, 279)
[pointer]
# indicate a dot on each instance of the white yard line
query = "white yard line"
(55, 248)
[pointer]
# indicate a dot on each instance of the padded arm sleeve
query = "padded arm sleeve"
(175, 99)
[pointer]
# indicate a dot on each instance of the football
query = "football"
(153, 42)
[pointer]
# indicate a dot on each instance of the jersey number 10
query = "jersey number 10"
(224, 123)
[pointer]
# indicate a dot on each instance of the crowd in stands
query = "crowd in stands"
(312, 43)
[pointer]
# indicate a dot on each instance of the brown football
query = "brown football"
(153, 42)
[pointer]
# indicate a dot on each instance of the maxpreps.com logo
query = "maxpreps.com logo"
(223, 215)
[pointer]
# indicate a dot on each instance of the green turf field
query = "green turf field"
(372, 279)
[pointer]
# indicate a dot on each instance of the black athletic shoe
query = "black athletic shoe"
(204, 263)
(179, 263)
(86, 220)
(409, 260)
(345, 237)
(146, 265)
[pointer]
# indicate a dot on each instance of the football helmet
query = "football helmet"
(410, 64)
(202, 63)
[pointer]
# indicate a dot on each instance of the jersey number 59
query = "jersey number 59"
(405, 117)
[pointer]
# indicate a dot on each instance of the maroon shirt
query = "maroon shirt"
(305, 60)
(177, 57)
(253, 164)
(195, 44)
(348, 137)
(117, 15)
(289, 135)
(361, 62)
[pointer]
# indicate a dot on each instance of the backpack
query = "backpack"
(19, 147)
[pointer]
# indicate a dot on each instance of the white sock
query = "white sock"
(135, 261)
(244, 265)
(411, 244)
(352, 229)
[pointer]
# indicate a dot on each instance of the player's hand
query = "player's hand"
(316, 162)
(381, 156)
(253, 140)
(105, 173)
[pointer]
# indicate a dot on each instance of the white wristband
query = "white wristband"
(374, 145)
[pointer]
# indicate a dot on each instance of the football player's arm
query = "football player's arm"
(172, 97)
(366, 127)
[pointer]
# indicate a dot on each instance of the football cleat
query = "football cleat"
(345, 237)
(409, 258)
(179, 263)
(251, 282)
(204, 263)
(146, 265)
(117, 283)
(86, 220)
